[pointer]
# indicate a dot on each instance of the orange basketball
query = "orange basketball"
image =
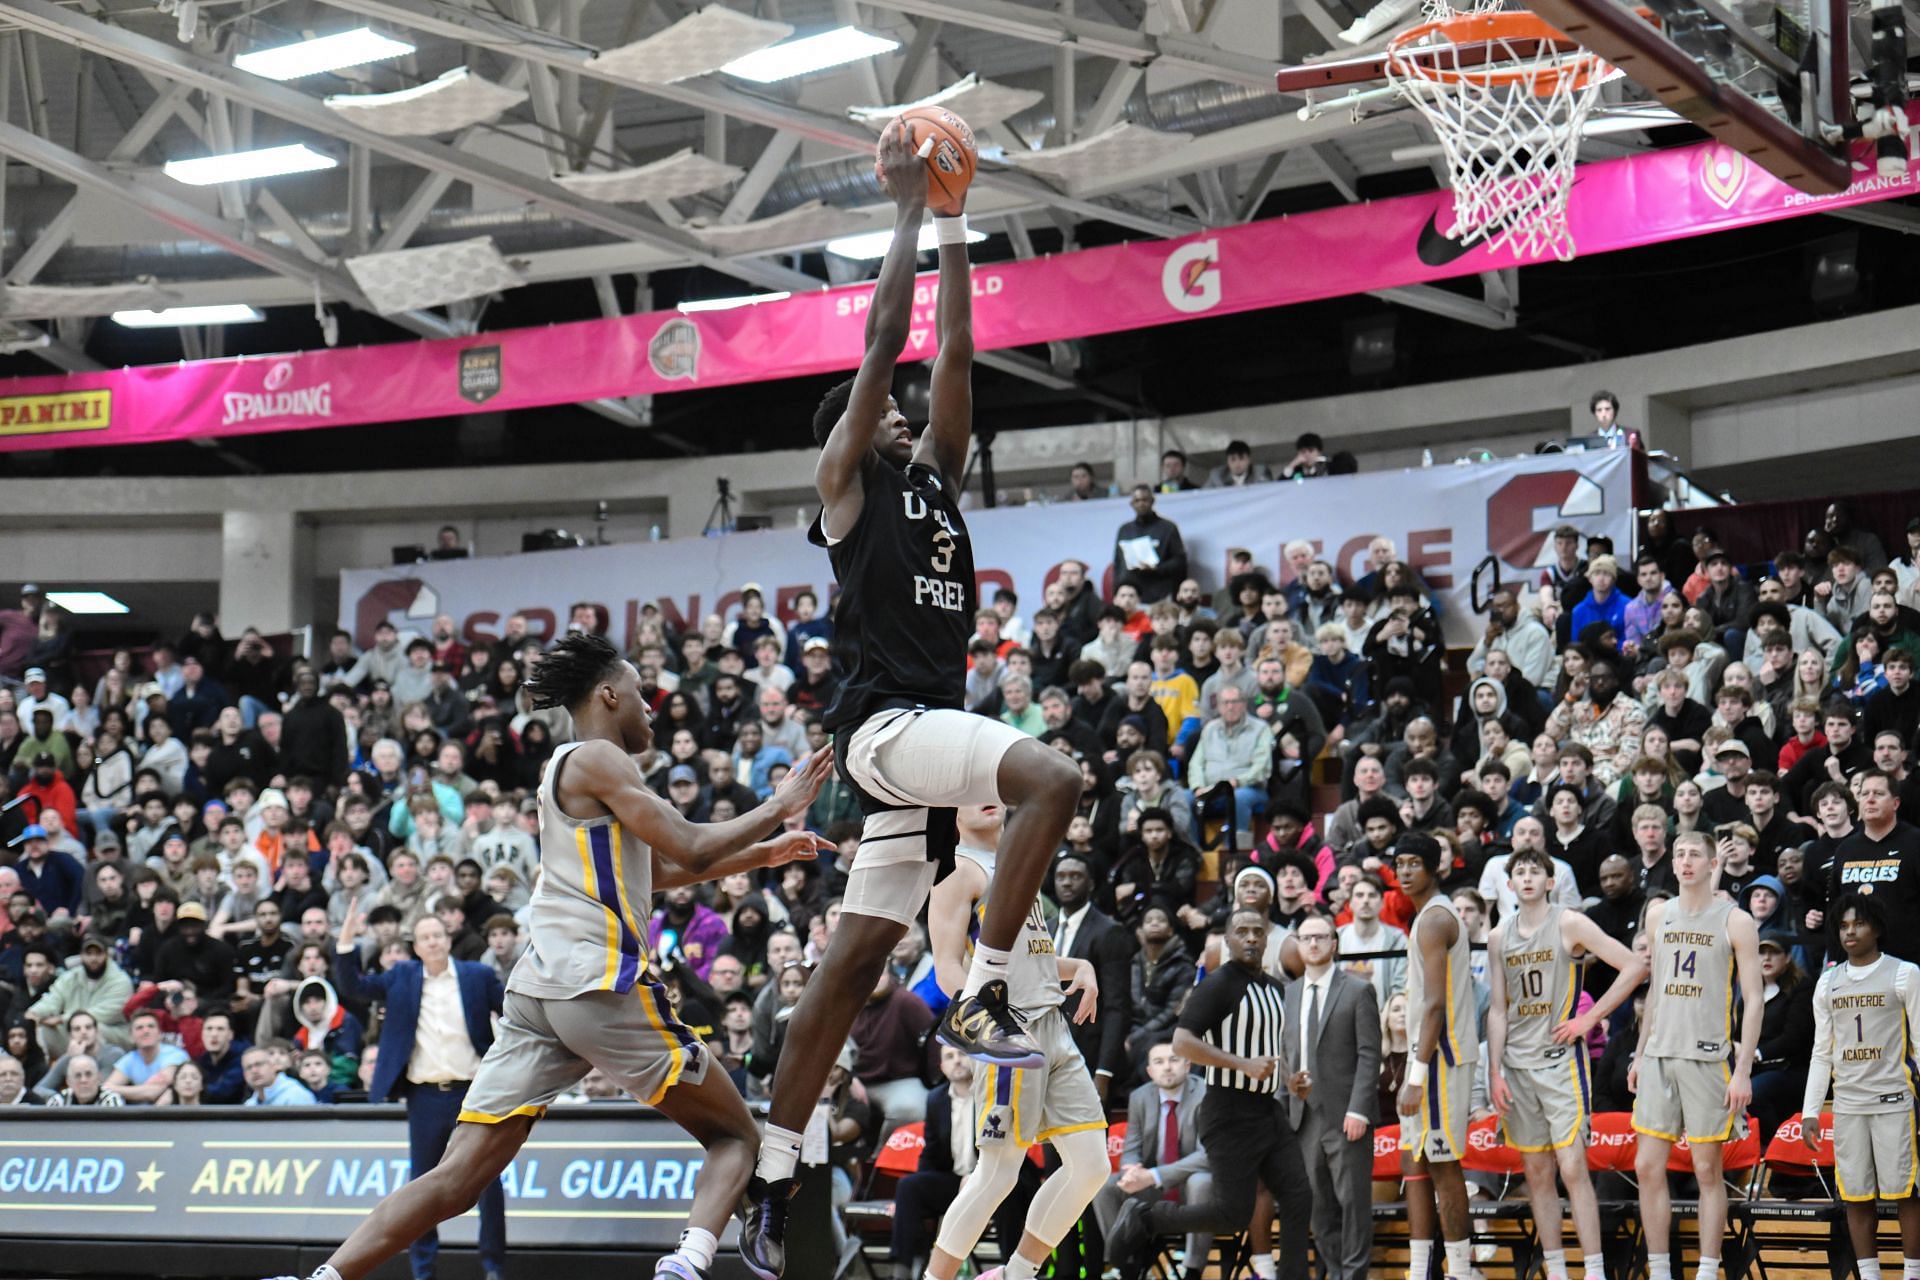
(946, 143)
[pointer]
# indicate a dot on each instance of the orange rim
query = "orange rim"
(1491, 29)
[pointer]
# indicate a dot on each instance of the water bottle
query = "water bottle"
(653, 534)
(1426, 457)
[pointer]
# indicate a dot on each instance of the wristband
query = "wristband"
(1417, 1074)
(950, 230)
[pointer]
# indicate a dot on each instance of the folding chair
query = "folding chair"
(1612, 1147)
(1769, 1222)
(1488, 1152)
(1741, 1156)
(872, 1215)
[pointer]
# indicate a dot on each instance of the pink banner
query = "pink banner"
(1617, 204)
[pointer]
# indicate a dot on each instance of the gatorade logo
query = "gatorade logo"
(1190, 278)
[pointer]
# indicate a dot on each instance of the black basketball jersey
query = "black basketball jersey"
(907, 596)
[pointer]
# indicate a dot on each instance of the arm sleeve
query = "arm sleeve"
(1820, 1063)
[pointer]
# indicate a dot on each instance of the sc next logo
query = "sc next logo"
(1522, 512)
(1190, 277)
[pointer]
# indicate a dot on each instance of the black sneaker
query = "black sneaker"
(763, 1227)
(984, 1026)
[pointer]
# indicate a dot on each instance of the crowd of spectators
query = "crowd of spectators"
(201, 819)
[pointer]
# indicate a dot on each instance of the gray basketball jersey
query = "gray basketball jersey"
(1033, 976)
(1870, 1043)
(1693, 974)
(587, 919)
(1542, 985)
(1459, 1035)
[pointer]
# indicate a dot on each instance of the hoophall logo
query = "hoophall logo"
(1190, 278)
(1723, 174)
(1522, 511)
(408, 603)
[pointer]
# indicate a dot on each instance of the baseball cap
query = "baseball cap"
(682, 773)
(1778, 940)
(816, 642)
(173, 835)
(191, 911)
(1733, 747)
(1718, 554)
(530, 805)
(93, 942)
(31, 589)
(45, 758)
(32, 831)
(106, 840)
(35, 673)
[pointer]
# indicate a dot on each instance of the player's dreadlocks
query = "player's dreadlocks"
(570, 671)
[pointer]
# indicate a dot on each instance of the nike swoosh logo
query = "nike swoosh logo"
(1435, 249)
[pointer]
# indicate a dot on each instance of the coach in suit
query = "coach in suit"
(1332, 1058)
(438, 1025)
(948, 1156)
(1162, 1157)
(1084, 932)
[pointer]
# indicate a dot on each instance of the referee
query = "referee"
(1232, 1026)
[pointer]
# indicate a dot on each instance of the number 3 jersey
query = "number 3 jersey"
(1693, 984)
(1863, 1028)
(907, 595)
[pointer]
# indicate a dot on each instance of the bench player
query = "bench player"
(1680, 1076)
(1537, 1049)
(1019, 1106)
(1864, 1015)
(890, 520)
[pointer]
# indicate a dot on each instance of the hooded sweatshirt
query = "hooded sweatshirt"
(335, 1032)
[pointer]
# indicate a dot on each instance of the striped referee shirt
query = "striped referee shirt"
(1238, 1011)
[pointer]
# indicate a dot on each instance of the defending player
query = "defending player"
(1444, 1045)
(1680, 1075)
(582, 997)
(890, 520)
(1537, 1049)
(1864, 1015)
(1019, 1106)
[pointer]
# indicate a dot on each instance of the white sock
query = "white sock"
(779, 1153)
(988, 965)
(1709, 1269)
(1263, 1267)
(1869, 1268)
(1910, 1269)
(1459, 1257)
(1018, 1268)
(324, 1271)
(1555, 1261)
(698, 1246)
(1419, 1259)
(1659, 1266)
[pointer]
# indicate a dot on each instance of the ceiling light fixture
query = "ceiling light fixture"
(174, 317)
(353, 48)
(244, 166)
(86, 602)
(728, 304)
(873, 244)
(808, 54)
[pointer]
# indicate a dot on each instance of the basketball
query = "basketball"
(946, 142)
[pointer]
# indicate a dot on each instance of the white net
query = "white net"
(1507, 108)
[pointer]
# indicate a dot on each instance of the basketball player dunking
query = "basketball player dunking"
(890, 520)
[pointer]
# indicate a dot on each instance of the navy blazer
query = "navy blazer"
(481, 992)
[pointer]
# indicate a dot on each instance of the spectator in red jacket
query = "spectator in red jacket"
(49, 790)
(177, 1005)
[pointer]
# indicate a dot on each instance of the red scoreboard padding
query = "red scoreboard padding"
(1386, 1153)
(901, 1154)
(1788, 1149)
(1611, 1142)
(1485, 1152)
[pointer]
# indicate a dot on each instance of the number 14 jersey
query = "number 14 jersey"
(1693, 984)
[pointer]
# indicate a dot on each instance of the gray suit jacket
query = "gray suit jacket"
(1346, 1071)
(1143, 1141)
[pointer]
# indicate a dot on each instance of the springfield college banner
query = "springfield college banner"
(594, 1176)
(1617, 204)
(1443, 520)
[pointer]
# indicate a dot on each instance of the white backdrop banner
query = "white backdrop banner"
(1444, 520)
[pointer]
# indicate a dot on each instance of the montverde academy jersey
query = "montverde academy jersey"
(1693, 984)
(907, 596)
(1033, 976)
(1459, 1037)
(1542, 979)
(1863, 1034)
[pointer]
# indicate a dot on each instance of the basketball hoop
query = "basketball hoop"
(1506, 95)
